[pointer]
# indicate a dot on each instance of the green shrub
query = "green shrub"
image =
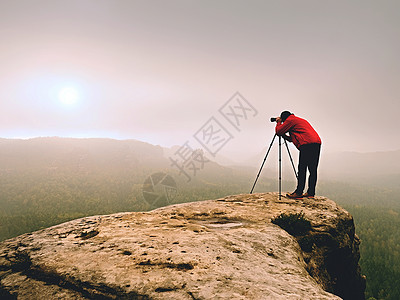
(295, 224)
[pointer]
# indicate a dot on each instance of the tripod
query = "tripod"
(280, 164)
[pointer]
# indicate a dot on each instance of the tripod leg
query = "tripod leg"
(280, 167)
(291, 160)
(262, 165)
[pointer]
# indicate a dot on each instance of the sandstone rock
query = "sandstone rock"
(216, 249)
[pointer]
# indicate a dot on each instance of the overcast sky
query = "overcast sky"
(157, 71)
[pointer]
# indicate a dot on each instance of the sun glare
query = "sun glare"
(68, 96)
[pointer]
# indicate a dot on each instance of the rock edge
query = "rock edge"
(215, 249)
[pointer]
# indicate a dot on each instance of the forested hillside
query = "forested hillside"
(47, 181)
(376, 212)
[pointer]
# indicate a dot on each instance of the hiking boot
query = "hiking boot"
(307, 195)
(294, 195)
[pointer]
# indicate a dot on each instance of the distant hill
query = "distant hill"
(372, 167)
(46, 181)
(379, 167)
(54, 152)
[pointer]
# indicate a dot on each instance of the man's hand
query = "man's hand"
(278, 119)
(287, 137)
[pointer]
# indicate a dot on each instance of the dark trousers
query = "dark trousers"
(308, 159)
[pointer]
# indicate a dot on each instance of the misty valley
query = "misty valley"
(47, 181)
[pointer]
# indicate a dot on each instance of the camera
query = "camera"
(273, 119)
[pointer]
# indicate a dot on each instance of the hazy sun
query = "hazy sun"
(68, 96)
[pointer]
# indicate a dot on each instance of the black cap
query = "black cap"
(285, 114)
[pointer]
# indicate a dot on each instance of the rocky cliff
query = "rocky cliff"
(217, 249)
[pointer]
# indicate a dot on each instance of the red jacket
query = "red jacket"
(300, 131)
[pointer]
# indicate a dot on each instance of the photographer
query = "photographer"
(307, 140)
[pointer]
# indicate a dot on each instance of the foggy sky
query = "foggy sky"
(157, 71)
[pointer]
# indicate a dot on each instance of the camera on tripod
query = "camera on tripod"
(283, 116)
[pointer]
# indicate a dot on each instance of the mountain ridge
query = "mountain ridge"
(344, 162)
